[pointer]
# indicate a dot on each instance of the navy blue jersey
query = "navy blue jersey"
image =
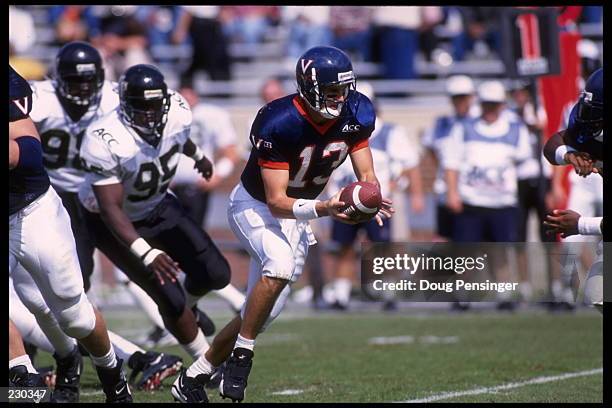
(28, 180)
(284, 137)
(20, 96)
(592, 146)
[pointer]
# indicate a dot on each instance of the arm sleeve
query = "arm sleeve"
(270, 152)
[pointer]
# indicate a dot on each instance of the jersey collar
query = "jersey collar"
(322, 129)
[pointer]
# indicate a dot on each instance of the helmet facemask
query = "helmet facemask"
(80, 90)
(147, 117)
(590, 115)
(328, 100)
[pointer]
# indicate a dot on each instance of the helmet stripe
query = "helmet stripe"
(313, 76)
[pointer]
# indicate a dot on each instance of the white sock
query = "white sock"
(109, 360)
(244, 343)
(191, 300)
(61, 342)
(200, 366)
(147, 304)
(556, 289)
(24, 361)
(123, 347)
(342, 290)
(526, 290)
(232, 295)
(198, 346)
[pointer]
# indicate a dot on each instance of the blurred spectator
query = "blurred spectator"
(22, 34)
(460, 89)
(481, 32)
(394, 157)
(398, 39)
(213, 132)
(351, 28)
(70, 23)
(119, 36)
(22, 37)
(159, 22)
(210, 50)
(272, 89)
(432, 17)
(308, 27)
(248, 24)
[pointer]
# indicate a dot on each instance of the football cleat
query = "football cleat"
(215, 378)
(204, 322)
(114, 383)
(187, 389)
(68, 376)
(155, 368)
(235, 375)
(19, 377)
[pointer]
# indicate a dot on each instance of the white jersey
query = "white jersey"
(114, 153)
(486, 156)
(60, 137)
(392, 153)
(211, 131)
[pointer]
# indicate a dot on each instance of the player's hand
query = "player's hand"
(454, 202)
(204, 167)
(386, 211)
(564, 222)
(582, 163)
(334, 205)
(164, 268)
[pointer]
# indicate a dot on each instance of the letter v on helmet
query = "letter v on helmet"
(305, 67)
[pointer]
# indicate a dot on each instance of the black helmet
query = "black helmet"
(79, 75)
(144, 101)
(319, 69)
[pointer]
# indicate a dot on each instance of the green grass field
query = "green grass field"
(330, 358)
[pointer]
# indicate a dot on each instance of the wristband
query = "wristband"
(224, 167)
(560, 153)
(305, 209)
(140, 247)
(589, 225)
(151, 255)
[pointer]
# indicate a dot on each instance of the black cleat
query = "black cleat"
(215, 378)
(68, 376)
(155, 368)
(235, 375)
(204, 322)
(19, 377)
(114, 384)
(187, 389)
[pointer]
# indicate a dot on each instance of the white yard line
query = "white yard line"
(509, 386)
(288, 392)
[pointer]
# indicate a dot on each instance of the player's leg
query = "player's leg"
(56, 272)
(344, 235)
(21, 371)
(170, 298)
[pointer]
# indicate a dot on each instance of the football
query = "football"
(362, 200)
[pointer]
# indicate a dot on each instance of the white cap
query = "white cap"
(366, 88)
(492, 91)
(459, 85)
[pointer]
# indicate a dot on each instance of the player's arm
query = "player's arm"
(24, 144)
(363, 165)
(559, 151)
(110, 201)
(202, 164)
(282, 206)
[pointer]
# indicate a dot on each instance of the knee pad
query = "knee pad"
(170, 300)
(593, 287)
(217, 276)
(77, 319)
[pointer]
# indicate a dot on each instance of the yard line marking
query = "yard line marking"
(509, 386)
(288, 392)
(92, 393)
(383, 341)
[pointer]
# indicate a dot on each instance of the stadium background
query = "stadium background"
(260, 41)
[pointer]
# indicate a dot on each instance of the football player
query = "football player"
(62, 109)
(36, 219)
(131, 155)
(581, 145)
(298, 140)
